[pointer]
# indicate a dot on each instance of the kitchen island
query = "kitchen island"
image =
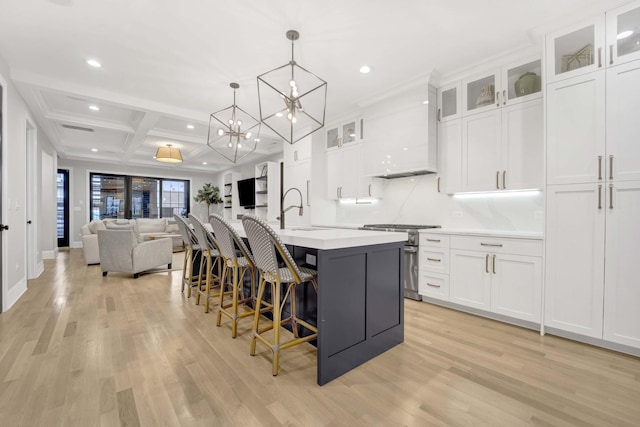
(360, 306)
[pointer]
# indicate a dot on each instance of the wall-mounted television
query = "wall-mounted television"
(247, 193)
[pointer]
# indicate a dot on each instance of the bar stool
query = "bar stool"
(265, 244)
(210, 255)
(237, 261)
(191, 250)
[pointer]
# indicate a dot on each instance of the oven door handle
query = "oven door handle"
(411, 249)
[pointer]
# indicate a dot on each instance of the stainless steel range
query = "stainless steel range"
(411, 251)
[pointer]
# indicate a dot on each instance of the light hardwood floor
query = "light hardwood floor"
(82, 350)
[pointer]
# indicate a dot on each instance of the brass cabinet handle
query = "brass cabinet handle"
(497, 245)
(610, 167)
(504, 180)
(600, 196)
(433, 285)
(599, 57)
(438, 184)
(600, 168)
(497, 99)
(439, 114)
(504, 97)
(486, 263)
(610, 196)
(369, 190)
(498, 180)
(433, 240)
(308, 182)
(494, 265)
(434, 259)
(610, 54)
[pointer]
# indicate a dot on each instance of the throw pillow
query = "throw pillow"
(172, 228)
(115, 226)
(96, 225)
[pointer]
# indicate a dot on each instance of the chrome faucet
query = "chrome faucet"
(283, 210)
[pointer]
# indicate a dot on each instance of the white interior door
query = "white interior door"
(31, 209)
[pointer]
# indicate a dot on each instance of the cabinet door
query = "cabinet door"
(575, 51)
(622, 277)
(433, 285)
(574, 257)
(522, 146)
(351, 171)
(470, 279)
(481, 167)
(522, 82)
(516, 286)
(333, 163)
(298, 152)
(623, 126)
(623, 38)
(576, 130)
(481, 93)
(449, 102)
(450, 156)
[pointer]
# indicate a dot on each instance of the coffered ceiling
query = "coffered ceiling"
(167, 64)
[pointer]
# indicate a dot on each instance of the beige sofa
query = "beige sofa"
(143, 228)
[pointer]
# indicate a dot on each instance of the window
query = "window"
(122, 196)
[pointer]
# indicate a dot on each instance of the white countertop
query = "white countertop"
(517, 234)
(331, 238)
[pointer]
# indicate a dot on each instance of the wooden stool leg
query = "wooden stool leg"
(208, 283)
(234, 302)
(277, 316)
(256, 316)
(225, 271)
(184, 269)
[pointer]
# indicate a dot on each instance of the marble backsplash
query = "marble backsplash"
(415, 200)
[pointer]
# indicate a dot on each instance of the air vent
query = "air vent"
(77, 128)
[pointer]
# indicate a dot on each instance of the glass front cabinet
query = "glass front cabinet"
(606, 41)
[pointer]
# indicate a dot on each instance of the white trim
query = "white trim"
(3, 191)
(49, 254)
(75, 245)
(14, 293)
(39, 269)
(30, 213)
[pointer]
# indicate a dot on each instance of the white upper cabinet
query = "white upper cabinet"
(575, 51)
(623, 34)
(344, 173)
(298, 152)
(344, 134)
(623, 125)
(449, 156)
(576, 130)
(481, 167)
(449, 102)
(481, 93)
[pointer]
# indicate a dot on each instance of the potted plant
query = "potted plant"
(208, 194)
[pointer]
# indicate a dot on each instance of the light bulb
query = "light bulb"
(289, 116)
(220, 132)
(248, 135)
(230, 145)
(292, 83)
(293, 119)
(239, 145)
(239, 122)
(294, 93)
(231, 122)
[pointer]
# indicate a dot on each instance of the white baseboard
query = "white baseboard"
(48, 254)
(14, 293)
(75, 245)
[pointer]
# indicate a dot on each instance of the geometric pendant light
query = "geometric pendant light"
(292, 100)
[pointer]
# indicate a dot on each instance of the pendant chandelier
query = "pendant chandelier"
(233, 133)
(168, 154)
(292, 100)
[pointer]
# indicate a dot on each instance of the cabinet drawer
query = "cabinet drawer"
(434, 285)
(498, 245)
(434, 260)
(434, 240)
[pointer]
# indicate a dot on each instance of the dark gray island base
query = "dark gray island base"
(360, 307)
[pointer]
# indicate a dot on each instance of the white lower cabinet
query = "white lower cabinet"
(433, 285)
(500, 275)
(433, 263)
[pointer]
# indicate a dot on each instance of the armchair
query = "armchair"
(120, 251)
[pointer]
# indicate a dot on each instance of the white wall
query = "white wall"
(15, 193)
(79, 188)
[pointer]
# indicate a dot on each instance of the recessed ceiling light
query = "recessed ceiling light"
(278, 114)
(154, 157)
(204, 163)
(365, 69)
(95, 150)
(257, 140)
(94, 63)
(94, 108)
(190, 126)
(425, 102)
(624, 34)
